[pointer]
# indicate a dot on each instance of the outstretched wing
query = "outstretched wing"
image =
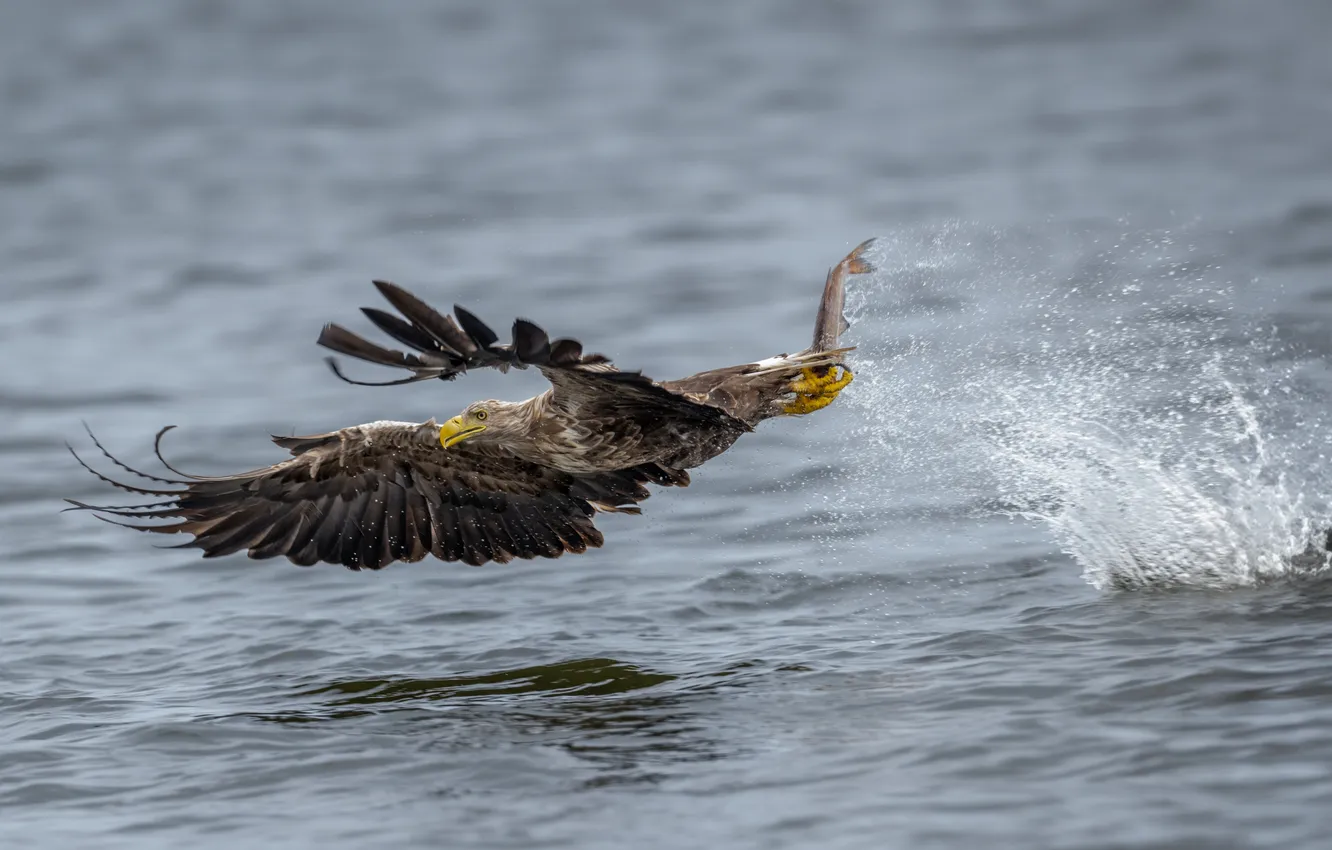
(372, 494)
(445, 348)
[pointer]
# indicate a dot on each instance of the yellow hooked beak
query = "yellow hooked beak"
(456, 430)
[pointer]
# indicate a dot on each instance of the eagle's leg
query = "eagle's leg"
(816, 388)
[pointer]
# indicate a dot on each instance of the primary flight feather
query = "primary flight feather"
(501, 480)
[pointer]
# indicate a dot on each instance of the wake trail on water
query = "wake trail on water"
(1119, 389)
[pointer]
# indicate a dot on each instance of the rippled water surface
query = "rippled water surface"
(1027, 584)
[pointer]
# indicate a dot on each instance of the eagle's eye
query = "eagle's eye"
(481, 415)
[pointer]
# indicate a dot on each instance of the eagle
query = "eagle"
(501, 480)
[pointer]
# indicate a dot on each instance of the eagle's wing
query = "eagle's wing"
(445, 348)
(372, 494)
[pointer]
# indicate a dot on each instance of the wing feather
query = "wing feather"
(416, 517)
(282, 536)
(475, 548)
(371, 523)
(447, 348)
(443, 329)
(404, 332)
(395, 545)
(373, 494)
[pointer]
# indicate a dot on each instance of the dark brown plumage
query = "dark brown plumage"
(502, 479)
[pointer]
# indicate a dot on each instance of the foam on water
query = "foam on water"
(1105, 386)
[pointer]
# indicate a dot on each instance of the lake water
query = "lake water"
(1024, 585)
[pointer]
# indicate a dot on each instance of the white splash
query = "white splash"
(1144, 507)
(1128, 408)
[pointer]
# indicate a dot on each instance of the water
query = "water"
(1162, 433)
(1024, 585)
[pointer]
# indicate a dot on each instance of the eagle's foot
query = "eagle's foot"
(815, 391)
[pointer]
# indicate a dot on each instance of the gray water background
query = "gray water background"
(872, 627)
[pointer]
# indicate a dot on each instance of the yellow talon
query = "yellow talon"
(840, 383)
(815, 392)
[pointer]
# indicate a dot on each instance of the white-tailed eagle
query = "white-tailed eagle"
(501, 480)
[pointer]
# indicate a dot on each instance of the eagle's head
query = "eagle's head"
(488, 421)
